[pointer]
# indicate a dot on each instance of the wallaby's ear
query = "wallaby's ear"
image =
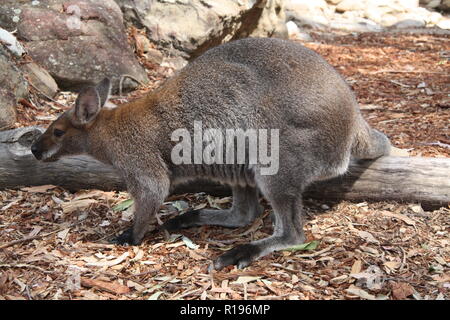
(104, 90)
(87, 106)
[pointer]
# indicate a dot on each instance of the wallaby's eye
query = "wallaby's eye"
(58, 133)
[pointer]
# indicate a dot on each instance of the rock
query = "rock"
(315, 23)
(188, 28)
(360, 25)
(445, 5)
(444, 24)
(293, 29)
(10, 13)
(433, 18)
(13, 88)
(377, 13)
(174, 62)
(271, 21)
(305, 5)
(305, 37)
(414, 18)
(352, 15)
(334, 2)
(430, 3)
(40, 78)
(154, 56)
(304, 8)
(295, 33)
(78, 41)
(308, 14)
(409, 23)
(408, 4)
(388, 20)
(11, 43)
(350, 5)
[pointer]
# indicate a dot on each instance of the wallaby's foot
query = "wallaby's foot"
(244, 254)
(125, 238)
(225, 218)
(288, 224)
(187, 220)
(245, 210)
(241, 256)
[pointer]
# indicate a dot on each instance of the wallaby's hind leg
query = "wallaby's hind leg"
(244, 210)
(288, 229)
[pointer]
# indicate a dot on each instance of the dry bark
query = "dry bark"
(405, 179)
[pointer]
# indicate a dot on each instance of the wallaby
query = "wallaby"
(248, 83)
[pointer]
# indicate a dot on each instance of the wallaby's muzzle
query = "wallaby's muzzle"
(36, 150)
(44, 150)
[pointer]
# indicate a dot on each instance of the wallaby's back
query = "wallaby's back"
(273, 83)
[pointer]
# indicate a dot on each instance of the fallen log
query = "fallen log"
(403, 179)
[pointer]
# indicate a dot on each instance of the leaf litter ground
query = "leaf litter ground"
(54, 243)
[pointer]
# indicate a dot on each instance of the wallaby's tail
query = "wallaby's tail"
(369, 143)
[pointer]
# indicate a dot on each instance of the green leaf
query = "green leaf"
(304, 246)
(174, 237)
(188, 242)
(177, 205)
(123, 205)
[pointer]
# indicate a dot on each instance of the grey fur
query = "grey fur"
(250, 83)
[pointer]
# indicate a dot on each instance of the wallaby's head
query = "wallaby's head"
(67, 135)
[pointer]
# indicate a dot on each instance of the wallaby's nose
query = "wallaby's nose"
(36, 152)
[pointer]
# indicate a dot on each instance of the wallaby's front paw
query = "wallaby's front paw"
(241, 256)
(125, 238)
(186, 220)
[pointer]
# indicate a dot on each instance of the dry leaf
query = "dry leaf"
(360, 293)
(63, 234)
(401, 290)
(109, 263)
(92, 194)
(340, 279)
(369, 250)
(399, 217)
(392, 265)
(138, 255)
(372, 278)
(112, 287)
(195, 255)
(356, 268)
(135, 285)
(221, 290)
(441, 277)
(39, 189)
(245, 279)
(72, 206)
(35, 231)
(367, 236)
(155, 296)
